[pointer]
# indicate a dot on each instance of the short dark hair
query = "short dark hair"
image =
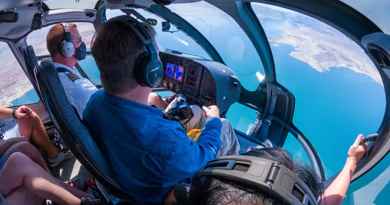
(115, 50)
(219, 191)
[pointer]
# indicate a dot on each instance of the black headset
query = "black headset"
(267, 176)
(148, 68)
(67, 48)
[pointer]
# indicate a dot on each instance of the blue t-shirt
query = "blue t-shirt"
(148, 153)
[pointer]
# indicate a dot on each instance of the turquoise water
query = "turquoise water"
(29, 97)
(331, 107)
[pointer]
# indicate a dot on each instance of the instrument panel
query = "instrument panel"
(203, 82)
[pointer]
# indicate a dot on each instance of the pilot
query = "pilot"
(148, 153)
(222, 190)
(27, 126)
(66, 48)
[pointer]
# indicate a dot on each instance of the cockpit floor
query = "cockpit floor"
(71, 170)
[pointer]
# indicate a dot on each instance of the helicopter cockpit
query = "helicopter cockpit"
(229, 53)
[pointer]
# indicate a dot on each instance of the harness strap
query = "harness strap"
(73, 77)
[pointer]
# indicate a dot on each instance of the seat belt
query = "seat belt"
(61, 69)
(73, 77)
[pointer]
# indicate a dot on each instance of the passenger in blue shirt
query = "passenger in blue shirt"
(148, 153)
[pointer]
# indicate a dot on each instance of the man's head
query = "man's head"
(209, 190)
(118, 50)
(60, 45)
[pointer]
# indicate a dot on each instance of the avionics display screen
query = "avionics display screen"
(174, 71)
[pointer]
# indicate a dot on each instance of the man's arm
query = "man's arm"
(190, 157)
(20, 112)
(5, 112)
(336, 191)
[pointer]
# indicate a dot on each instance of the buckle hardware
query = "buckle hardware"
(273, 174)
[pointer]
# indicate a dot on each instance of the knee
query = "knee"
(226, 124)
(24, 145)
(25, 148)
(17, 160)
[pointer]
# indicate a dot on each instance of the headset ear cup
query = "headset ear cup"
(155, 74)
(148, 72)
(67, 49)
(140, 69)
(155, 71)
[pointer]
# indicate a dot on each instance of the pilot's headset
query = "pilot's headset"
(67, 48)
(267, 176)
(148, 66)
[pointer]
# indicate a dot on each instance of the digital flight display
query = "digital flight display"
(174, 71)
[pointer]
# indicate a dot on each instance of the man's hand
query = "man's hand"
(357, 150)
(23, 112)
(156, 100)
(211, 111)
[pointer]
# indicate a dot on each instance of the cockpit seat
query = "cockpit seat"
(75, 135)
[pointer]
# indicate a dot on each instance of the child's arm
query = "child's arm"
(336, 191)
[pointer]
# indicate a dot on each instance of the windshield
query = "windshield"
(227, 37)
(171, 39)
(338, 90)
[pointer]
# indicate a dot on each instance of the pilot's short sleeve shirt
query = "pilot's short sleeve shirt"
(77, 88)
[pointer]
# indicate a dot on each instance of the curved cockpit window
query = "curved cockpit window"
(15, 88)
(227, 37)
(338, 90)
(296, 150)
(171, 39)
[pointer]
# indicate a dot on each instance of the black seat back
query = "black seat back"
(75, 135)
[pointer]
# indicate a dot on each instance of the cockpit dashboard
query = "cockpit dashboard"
(203, 82)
